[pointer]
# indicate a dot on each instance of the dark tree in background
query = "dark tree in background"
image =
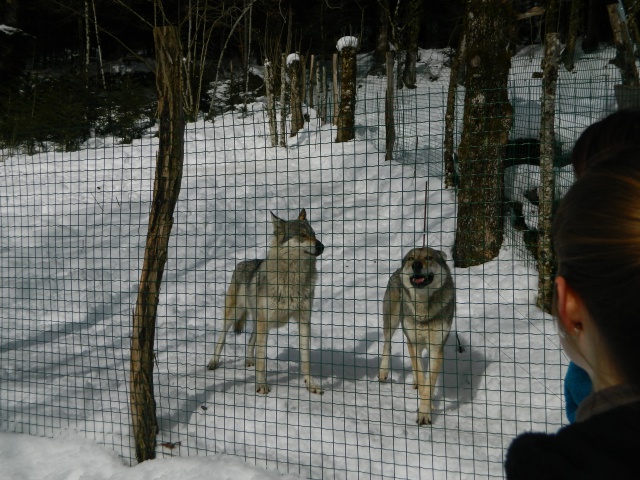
(346, 115)
(486, 125)
(414, 18)
(294, 69)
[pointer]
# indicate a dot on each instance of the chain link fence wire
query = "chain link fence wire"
(73, 227)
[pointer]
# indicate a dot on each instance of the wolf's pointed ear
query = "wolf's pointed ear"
(442, 254)
(277, 223)
(303, 215)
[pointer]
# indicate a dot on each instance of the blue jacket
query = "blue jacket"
(577, 386)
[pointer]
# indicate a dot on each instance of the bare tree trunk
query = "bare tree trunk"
(99, 49)
(389, 119)
(632, 11)
(591, 36)
(283, 101)
(297, 122)
(223, 50)
(552, 16)
(271, 102)
(346, 117)
(303, 80)
(625, 59)
(450, 115)
(487, 121)
(87, 53)
(323, 95)
(414, 9)
(382, 43)
(166, 189)
(312, 81)
(336, 89)
(546, 260)
(248, 49)
(574, 24)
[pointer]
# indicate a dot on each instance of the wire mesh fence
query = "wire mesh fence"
(73, 233)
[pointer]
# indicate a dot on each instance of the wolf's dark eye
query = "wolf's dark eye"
(429, 257)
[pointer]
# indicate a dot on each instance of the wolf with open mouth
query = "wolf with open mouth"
(420, 295)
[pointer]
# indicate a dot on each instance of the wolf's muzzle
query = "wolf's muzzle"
(319, 248)
(418, 279)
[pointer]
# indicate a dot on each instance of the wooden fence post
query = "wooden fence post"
(166, 189)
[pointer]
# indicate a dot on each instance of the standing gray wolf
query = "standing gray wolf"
(274, 290)
(421, 296)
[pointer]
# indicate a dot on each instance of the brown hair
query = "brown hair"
(619, 128)
(596, 234)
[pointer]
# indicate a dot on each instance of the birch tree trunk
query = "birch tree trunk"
(166, 189)
(486, 125)
(546, 260)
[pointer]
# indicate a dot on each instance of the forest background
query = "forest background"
(75, 68)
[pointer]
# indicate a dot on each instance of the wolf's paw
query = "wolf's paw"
(263, 389)
(250, 362)
(424, 419)
(212, 365)
(313, 388)
(383, 376)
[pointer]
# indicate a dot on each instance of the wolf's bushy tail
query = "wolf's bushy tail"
(231, 308)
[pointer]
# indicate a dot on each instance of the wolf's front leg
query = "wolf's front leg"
(391, 321)
(420, 382)
(305, 345)
(251, 350)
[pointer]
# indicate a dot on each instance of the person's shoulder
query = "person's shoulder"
(604, 446)
(534, 456)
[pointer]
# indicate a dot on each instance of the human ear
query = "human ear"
(570, 307)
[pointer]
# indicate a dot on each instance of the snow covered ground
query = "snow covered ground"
(73, 228)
